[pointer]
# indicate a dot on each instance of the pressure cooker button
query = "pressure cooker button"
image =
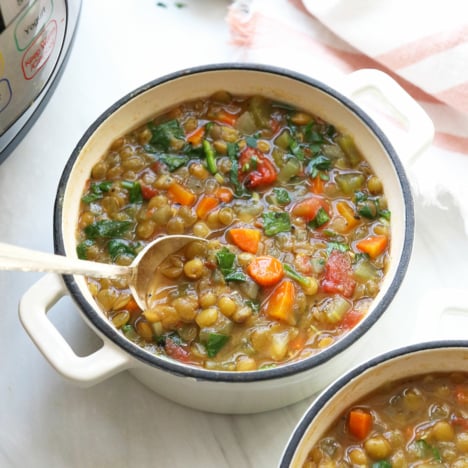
(5, 93)
(31, 22)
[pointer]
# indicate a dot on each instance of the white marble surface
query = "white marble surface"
(46, 422)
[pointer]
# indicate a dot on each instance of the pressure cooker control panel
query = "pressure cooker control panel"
(33, 36)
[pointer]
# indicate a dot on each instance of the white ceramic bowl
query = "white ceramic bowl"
(407, 362)
(226, 392)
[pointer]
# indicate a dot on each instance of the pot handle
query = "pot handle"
(84, 371)
(404, 121)
(442, 314)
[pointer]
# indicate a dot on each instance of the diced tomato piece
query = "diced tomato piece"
(176, 351)
(148, 192)
(460, 421)
(461, 394)
(255, 169)
(309, 207)
(351, 319)
(337, 278)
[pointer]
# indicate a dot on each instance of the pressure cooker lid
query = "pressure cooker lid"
(35, 38)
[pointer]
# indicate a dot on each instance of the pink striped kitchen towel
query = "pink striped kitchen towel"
(422, 45)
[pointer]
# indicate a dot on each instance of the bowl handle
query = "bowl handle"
(85, 371)
(442, 314)
(404, 121)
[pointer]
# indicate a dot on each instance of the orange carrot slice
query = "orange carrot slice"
(205, 205)
(266, 270)
(246, 239)
(181, 195)
(373, 246)
(359, 423)
(280, 304)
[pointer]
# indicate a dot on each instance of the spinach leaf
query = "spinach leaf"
(425, 449)
(282, 196)
(382, 464)
(296, 150)
(337, 246)
(311, 135)
(214, 343)
(107, 229)
(274, 222)
(369, 207)
(96, 191)
(251, 141)
(173, 161)
(82, 249)
(117, 247)
(317, 164)
(164, 133)
(239, 189)
(134, 190)
(320, 219)
(227, 264)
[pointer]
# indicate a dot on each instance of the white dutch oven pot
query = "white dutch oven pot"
(226, 392)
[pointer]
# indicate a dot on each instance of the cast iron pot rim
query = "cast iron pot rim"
(338, 384)
(231, 376)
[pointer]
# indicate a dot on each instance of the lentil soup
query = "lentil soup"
(296, 223)
(418, 422)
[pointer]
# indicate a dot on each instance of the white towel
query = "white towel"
(422, 45)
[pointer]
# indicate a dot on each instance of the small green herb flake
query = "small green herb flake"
(134, 191)
(163, 134)
(317, 164)
(276, 222)
(173, 161)
(117, 247)
(251, 141)
(107, 229)
(82, 249)
(227, 264)
(214, 343)
(337, 246)
(282, 196)
(320, 219)
(96, 191)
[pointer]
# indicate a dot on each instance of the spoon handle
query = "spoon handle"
(22, 259)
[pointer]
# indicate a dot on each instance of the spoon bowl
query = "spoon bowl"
(140, 273)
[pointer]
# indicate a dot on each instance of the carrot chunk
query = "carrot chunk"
(246, 239)
(266, 270)
(205, 205)
(181, 195)
(196, 137)
(348, 214)
(373, 246)
(359, 423)
(224, 194)
(280, 303)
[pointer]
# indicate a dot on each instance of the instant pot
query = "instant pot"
(35, 38)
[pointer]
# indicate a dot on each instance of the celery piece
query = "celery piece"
(283, 140)
(347, 144)
(350, 182)
(260, 109)
(246, 123)
(291, 169)
(336, 309)
(364, 270)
